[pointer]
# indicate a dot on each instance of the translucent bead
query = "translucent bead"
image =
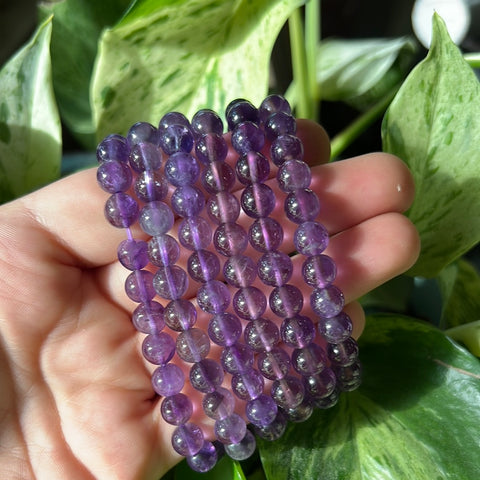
(302, 205)
(224, 329)
(335, 329)
(350, 377)
(218, 404)
(249, 303)
(344, 353)
(176, 138)
(258, 200)
(261, 411)
(327, 302)
(243, 449)
(168, 380)
(170, 282)
(156, 218)
(275, 268)
(206, 376)
(286, 301)
(286, 147)
(150, 186)
(218, 177)
(319, 271)
(320, 385)
(163, 250)
(172, 118)
(247, 137)
(301, 413)
(195, 233)
(158, 349)
(265, 234)
(145, 156)
(213, 297)
(274, 430)
(121, 210)
(224, 207)
(187, 439)
(180, 315)
(327, 402)
(113, 147)
(230, 239)
(272, 104)
(294, 174)
(280, 123)
(187, 201)
(274, 364)
(309, 360)
(248, 385)
(139, 286)
(298, 331)
(176, 409)
(141, 132)
(252, 167)
(261, 335)
(311, 238)
(237, 358)
(211, 148)
(288, 392)
(193, 345)
(230, 429)
(181, 169)
(133, 254)
(240, 271)
(203, 266)
(205, 459)
(240, 110)
(207, 121)
(114, 176)
(148, 317)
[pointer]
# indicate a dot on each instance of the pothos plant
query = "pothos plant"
(93, 68)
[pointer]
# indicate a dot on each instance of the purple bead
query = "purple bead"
(133, 254)
(213, 297)
(224, 329)
(320, 385)
(176, 138)
(230, 429)
(181, 169)
(187, 201)
(240, 110)
(248, 385)
(193, 345)
(275, 268)
(298, 331)
(302, 205)
(150, 186)
(170, 282)
(272, 104)
(218, 177)
(252, 167)
(114, 176)
(173, 118)
(180, 315)
(168, 380)
(327, 302)
(294, 174)
(203, 266)
(205, 459)
(240, 271)
(319, 271)
(195, 233)
(350, 377)
(274, 430)
(335, 329)
(156, 218)
(223, 207)
(274, 364)
(142, 132)
(311, 238)
(261, 411)
(219, 403)
(148, 317)
(265, 234)
(121, 210)
(258, 200)
(280, 123)
(327, 402)
(288, 392)
(261, 335)
(286, 147)
(243, 449)
(247, 137)
(158, 349)
(206, 375)
(249, 303)
(286, 301)
(237, 358)
(344, 353)
(139, 286)
(176, 409)
(230, 239)
(187, 439)
(145, 156)
(211, 148)
(301, 413)
(309, 360)
(207, 121)
(163, 250)
(113, 147)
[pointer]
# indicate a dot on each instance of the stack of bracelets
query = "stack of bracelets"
(306, 362)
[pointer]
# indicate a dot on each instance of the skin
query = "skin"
(76, 400)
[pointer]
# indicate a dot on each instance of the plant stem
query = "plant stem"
(312, 39)
(473, 59)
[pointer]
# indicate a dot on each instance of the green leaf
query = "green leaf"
(434, 126)
(416, 415)
(184, 55)
(77, 26)
(30, 133)
(225, 469)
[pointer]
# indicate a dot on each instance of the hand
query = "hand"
(76, 400)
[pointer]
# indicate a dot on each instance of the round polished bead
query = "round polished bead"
(207, 121)
(172, 118)
(302, 205)
(249, 303)
(248, 385)
(319, 270)
(275, 268)
(218, 177)
(239, 111)
(133, 254)
(262, 410)
(205, 459)
(150, 186)
(335, 329)
(350, 377)
(247, 137)
(286, 147)
(327, 302)
(286, 301)
(195, 233)
(288, 392)
(156, 218)
(113, 147)
(311, 238)
(265, 234)
(187, 201)
(193, 345)
(187, 439)
(142, 132)
(230, 429)
(213, 297)
(170, 282)
(148, 317)
(203, 266)
(224, 329)
(344, 353)
(158, 349)
(297, 331)
(243, 449)
(261, 335)
(309, 360)
(230, 239)
(258, 200)
(329, 401)
(206, 376)
(301, 413)
(121, 210)
(219, 403)
(274, 430)
(180, 315)
(274, 364)
(163, 250)
(145, 156)
(294, 174)
(114, 176)
(176, 409)
(168, 380)
(240, 271)
(252, 167)
(139, 286)
(237, 358)
(280, 123)
(176, 138)
(321, 384)
(181, 169)
(223, 207)
(211, 148)
(271, 104)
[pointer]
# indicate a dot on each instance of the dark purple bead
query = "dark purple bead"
(180, 315)
(230, 239)
(148, 317)
(203, 266)
(349, 378)
(265, 234)
(224, 329)
(156, 218)
(327, 302)
(230, 429)
(133, 254)
(309, 360)
(320, 385)
(286, 147)
(195, 233)
(173, 118)
(258, 200)
(240, 271)
(170, 282)
(248, 385)
(319, 271)
(176, 409)
(335, 329)
(286, 301)
(114, 176)
(252, 167)
(275, 364)
(294, 175)
(150, 186)
(302, 205)
(163, 250)
(207, 121)
(206, 375)
(121, 210)
(205, 459)
(288, 392)
(240, 110)
(327, 402)
(193, 345)
(249, 303)
(187, 439)
(223, 207)
(274, 430)
(213, 297)
(142, 132)
(168, 380)
(113, 147)
(261, 411)
(275, 268)
(187, 201)
(211, 148)
(158, 349)
(261, 335)
(181, 168)
(280, 123)
(139, 286)
(272, 104)
(301, 413)
(311, 238)
(176, 138)
(343, 354)
(218, 404)
(218, 177)
(145, 156)
(298, 331)
(237, 358)
(247, 137)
